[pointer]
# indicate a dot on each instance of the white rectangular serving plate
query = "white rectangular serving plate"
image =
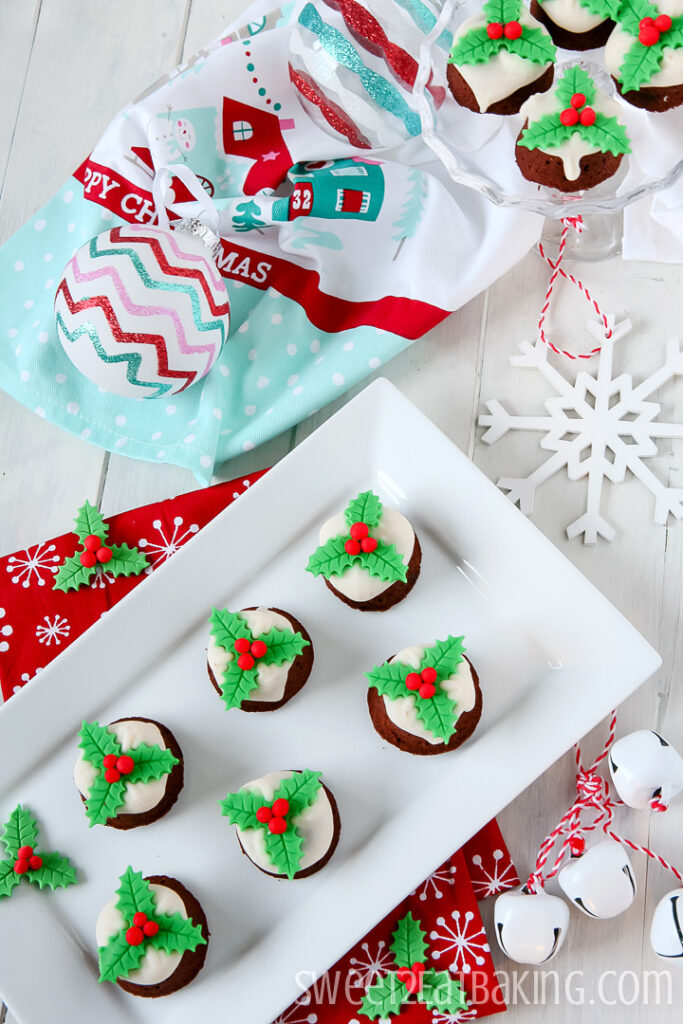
(552, 654)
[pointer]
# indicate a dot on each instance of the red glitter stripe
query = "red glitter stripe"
(333, 114)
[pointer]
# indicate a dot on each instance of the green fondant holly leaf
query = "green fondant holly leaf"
(386, 995)
(385, 563)
(642, 62)
(533, 45)
(20, 830)
(283, 646)
(607, 135)
(408, 942)
(134, 894)
(441, 991)
(630, 13)
(96, 742)
(546, 132)
(126, 561)
(151, 762)
(444, 656)
(330, 559)
(502, 11)
(89, 522)
(9, 879)
(575, 79)
(476, 47)
(240, 808)
(285, 851)
(176, 934)
(237, 684)
(57, 872)
(118, 958)
(389, 679)
(601, 8)
(364, 508)
(226, 627)
(300, 790)
(104, 799)
(438, 714)
(71, 574)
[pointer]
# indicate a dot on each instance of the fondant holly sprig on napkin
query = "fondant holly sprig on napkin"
(654, 33)
(574, 93)
(359, 547)
(284, 843)
(436, 710)
(116, 769)
(96, 553)
(503, 31)
(143, 928)
(240, 678)
(20, 840)
(438, 990)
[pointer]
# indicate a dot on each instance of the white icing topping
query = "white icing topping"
(671, 66)
(402, 710)
(272, 679)
(155, 966)
(139, 797)
(356, 583)
(506, 72)
(571, 15)
(315, 824)
(569, 152)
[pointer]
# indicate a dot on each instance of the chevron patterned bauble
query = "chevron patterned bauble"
(142, 312)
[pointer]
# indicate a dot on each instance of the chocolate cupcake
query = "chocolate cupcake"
(571, 139)
(576, 24)
(258, 658)
(369, 555)
(128, 773)
(426, 700)
(153, 937)
(287, 822)
(644, 54)
(499, 58)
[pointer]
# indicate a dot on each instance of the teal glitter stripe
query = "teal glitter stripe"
(381, 91)
(425, 21)
(132, 358)
(164, 286)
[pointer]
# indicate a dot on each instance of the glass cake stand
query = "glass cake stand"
(477, 150)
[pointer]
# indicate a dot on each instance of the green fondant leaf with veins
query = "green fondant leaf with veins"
(385, 996)
(118, 958)
(474, 47)
(439, 714)
(533, 45)
(601, 8)
(96, 742)
(283, 646)
(20, 830)
(502, 11)
(89, 522)
(9, 879)
(104, 799)
(408, 942)
(639, 65)
(389, 679)
(364, 508)
(71, 574)
(607, 135)
(126, 561)
(237, 684)
(134, 894)
(151, 762)
(57, 872)
(631, 13)
(176, 934)
(546, 132)
(330, 559)
(285, 851)
(300, 789)
(441, 991)
(444, 656)
(385, 563)
(226, 627)
(575, 79)
(240, 808)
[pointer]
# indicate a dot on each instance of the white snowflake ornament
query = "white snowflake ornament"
(597, 427)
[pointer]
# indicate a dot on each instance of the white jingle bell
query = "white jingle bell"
(666, 931)
(600, 882)
(530, 927)
(647, 772)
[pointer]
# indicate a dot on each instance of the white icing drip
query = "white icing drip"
(671, 67)
(571, 15)
(356, 583)
(139, 797)
(272, 679)
(402, 710)
(315, 823)
(155, 966)
(569, 152)
(503, 74)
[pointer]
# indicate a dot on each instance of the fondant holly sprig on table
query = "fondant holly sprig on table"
(438, 990)
(20, 840)
(116, 769)
(284, 843)
(143, 928)
(653, 32)
(240, 678)
(574, 93)
(503, 31)
(436, 710)
(359, 547)
(96, 553)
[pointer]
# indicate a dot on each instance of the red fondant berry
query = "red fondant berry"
(428, 675)
(404, 974)
(281, 807)
(358, 531)
(418, 968)
(245, 662)
(413, 681)
(242, 646)
(20, 866)
(368, 544)
(352, 547)
(88, 559)
(587, 116)
(264, 814)
(150, 928)
(104, 555)
(92, 542)
(134, 936)
(112, 775)
(427, 691)
(662, 22)
(494, 30)
(139, 918)
(277, 826)
(513, 30)
(24, 852)
(125, 764)
(648, 35)
(109, 761)
(578, 100)
(644, 22)
(258, 648)
(569, 117)
(35, 862)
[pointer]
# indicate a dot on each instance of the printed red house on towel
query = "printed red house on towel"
(257, 135)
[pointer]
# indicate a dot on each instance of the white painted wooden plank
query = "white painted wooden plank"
(18, 19)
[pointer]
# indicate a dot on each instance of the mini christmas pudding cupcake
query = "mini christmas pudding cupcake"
(426, 700)
(153, 937)
(644, 54)
(258, 658)
(287, 822)
(499, 58)
(369, 555)
(572, 138)
(128, 773)
(576, 24)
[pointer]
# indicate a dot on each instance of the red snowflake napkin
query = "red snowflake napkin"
(37, 623)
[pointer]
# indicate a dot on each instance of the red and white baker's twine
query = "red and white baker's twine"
(558, 271)
(593, 794)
